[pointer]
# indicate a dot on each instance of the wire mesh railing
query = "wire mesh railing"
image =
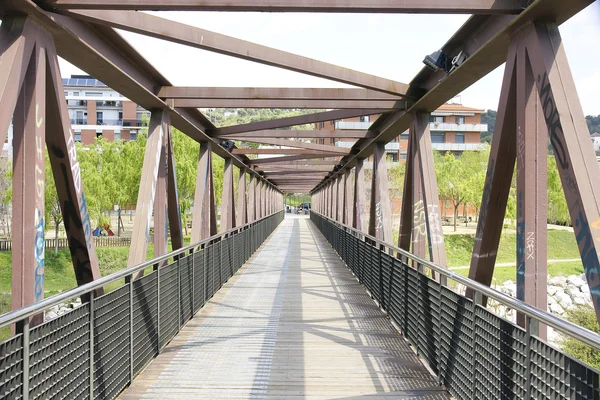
(96, 350)
(475, 353)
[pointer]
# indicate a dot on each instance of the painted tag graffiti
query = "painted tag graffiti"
(530, 245)
(40, 261)
(422, 217)
(378, 217)
(552, 120)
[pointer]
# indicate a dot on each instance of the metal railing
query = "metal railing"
(475, 353)
(63, 243)
(97, 349)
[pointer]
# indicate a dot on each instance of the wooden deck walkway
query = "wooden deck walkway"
(292, 324)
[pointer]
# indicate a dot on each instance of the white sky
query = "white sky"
(391, 46)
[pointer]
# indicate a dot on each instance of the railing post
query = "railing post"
(533, 329)
(179, 293)
(25, 329)
(157, 269)
(129, 280)
(477, 300)
(92, 295)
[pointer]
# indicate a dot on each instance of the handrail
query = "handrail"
(582, 334)
(36, 308)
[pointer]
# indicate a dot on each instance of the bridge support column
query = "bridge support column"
(252, 199)
(380, 218)
(347, 202)
(204, 218)
(32, 94)
(420, 216)
(158, 188)
(539, 47)
(242, 211)
(227, 200)
(359, 219)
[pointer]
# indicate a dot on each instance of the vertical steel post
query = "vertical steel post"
(204, 219)
(252, 199)
(28, 260)
(380, 218)
(242, 212)
(26, 355)
(227, 202)
(532, 199)
(173, 211)
(360, 198)
(91, 345)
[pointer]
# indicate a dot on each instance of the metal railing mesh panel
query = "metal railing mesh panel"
(11, 368)
(145, 318)
(169, 307)
(130, 325)
(476, 354)
(60, 357)
(111, 343)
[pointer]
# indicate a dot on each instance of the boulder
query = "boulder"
(552, 290)
(575, 281)
(51, 315)
(585, 288)
(558, 281)
(566, 302)
(580, 301)
(556, 309)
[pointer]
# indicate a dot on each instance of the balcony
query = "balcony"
(133, 122)
(76, 103)
(352, 125)
(113, 122)
(450, 127)
(79, 121)
(391, 146)
(109, 103)
(457, 146)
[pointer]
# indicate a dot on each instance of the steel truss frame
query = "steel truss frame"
(83, 33)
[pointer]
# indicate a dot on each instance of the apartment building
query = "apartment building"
(453, 127)
(596, 141)
(96, 110)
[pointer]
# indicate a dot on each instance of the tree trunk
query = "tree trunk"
(119, 222)
(455, 216)
(56, 236)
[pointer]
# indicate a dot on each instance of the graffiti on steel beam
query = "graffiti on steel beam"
(378, 216)
(589, 257)
(552, 120)
(435, 224)
(520, 246)
(419, 221)
(75, 169)
(520, 149)
(530, 245)
(487, 189)
(39, 222)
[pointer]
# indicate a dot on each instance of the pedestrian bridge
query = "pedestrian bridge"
(292, 307)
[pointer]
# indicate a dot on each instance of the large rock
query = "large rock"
(51, 315)
(566, 302)
(585, 289)
(576, 281)
(580, 301)
(552, 290)
(558, 281)
(557, 309)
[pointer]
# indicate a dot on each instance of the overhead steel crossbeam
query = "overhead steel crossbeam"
(285, 103)
(297, 134)
(485, 40)
(338, 6)
(274, 93)
(176, 32)
(103, 53)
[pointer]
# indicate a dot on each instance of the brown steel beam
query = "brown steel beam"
(316, 104)
(252, 199)
(204, 218)
(293, 133)
(174, 213)
(103, 53)
(161, 230)
(227, 221)
(337, 6)
(275, 150)
(299, 144)
(28, 210)
(242, 203)
(380, 217)
(241, 93)
(153, 157)
(279, 167)
(293, 121)
(359, 219)
(485, 39)
(188, 35)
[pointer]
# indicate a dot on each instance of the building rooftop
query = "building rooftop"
(459, 107)
(596, 135)
(82, 80)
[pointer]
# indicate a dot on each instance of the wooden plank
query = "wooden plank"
(293, 323)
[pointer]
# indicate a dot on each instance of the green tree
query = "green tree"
(475, 166)
(452, 179)
(51, 202)
(558, 211)
(489, 118)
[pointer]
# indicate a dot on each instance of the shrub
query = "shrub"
(585, 317)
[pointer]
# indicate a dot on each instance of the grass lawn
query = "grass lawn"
(561, 245)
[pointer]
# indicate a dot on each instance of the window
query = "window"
(78, 136)
(99, 118)
(438, 119)
(460, 120)
(93, 94)
(364, 119)
(393, 157)
(133, 135)
(459, 137)
(323, 124)
(404, 136)
(117, 136)
(403, 155)
(438, 137)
